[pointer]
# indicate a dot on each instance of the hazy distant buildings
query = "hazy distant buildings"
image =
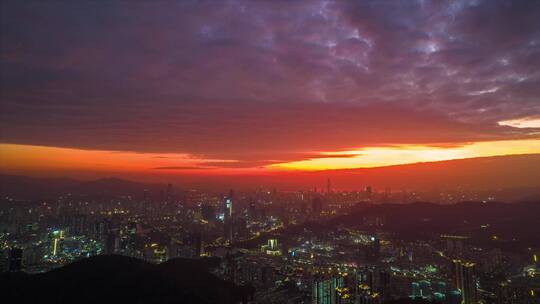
(316, 206)
(454, 244)
(328, 186)
(368, 192)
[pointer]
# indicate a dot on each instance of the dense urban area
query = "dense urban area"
(314, 246)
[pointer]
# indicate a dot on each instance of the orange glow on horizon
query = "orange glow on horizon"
(27, 158)
(31, 159)
(406, 154)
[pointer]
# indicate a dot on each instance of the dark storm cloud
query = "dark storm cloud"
(261, 81)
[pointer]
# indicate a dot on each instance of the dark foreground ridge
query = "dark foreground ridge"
(120, 279)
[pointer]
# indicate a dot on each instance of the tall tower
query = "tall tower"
(465, 281)
(228, 217)
(368, 191)
(328, 186)
(229, 204)
(169, 192)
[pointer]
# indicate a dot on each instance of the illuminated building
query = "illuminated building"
(465, 281)
(271, 248)
(272, 244)
(378, 281)
(228, 217)
(365, 295)
(229, 204)
(325, 290)
(56, 242)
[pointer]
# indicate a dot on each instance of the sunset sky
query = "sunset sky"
(248, 87)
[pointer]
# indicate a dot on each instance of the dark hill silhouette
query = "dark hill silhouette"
(120, 279)
(29, 188)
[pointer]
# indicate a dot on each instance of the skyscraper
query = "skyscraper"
(465, 281)
(169, 193)
(328, 186)
(228, 217)
(228, 204)
(316, 206)
(325, 290)
(368, 191)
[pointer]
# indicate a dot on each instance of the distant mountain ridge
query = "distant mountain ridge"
(519, 175)
(24, 187)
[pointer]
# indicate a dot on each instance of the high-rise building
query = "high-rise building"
(228, 204)
(77, 224)
(56, 239)
(228, 217)
(169, 193)
(326, 290)
(252, 211)
(100, 229)
(328, 186)
(368, 191)
(465, 281)
(454, 245)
